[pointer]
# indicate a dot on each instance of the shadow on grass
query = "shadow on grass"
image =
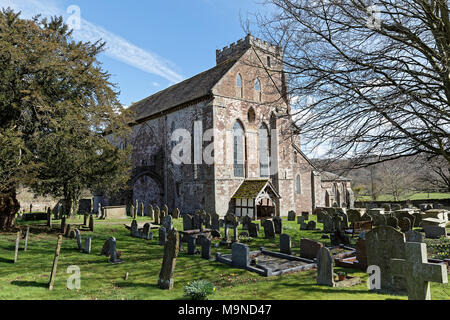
(29, 284)
(6, 260)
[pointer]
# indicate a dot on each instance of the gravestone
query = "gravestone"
(246, 222)
(291, 215)
(305, 215)
(413, 236)
(113, 255)
(162, 236)
(300, 219)
(146, 232)
(215, 225)
(353, 216)
(206, 248)
(392, 222)
(197, 221)
(157, 215)
(383, 244)
(418, 272)
(49, 218)
(176, 213)
(325, 275)
(207, 220)
(134, 229)
(285, 243)
(434, 232)
(165, 210)
(253, 230)
(328, 224)
(63, 225)
(187, 222)
(78, 236)
(417, 219)
(150, 212)
(278, 224)
(269, 229)
(311, 225)
(87, 245)
(167, 223)
(404, 224)
(379, 220)
(192, 245)
(171, 249)
(142, 209)
(55, 263)
(309, 248)
(240, 255)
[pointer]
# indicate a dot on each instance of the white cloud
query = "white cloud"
(116, 46)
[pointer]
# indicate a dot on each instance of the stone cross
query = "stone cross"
(171, 248)
(55, 263)
(418, 272)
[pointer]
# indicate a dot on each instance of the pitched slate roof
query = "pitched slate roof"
(188, 90)
(250, 188)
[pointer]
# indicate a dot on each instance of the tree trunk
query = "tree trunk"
(9, 206)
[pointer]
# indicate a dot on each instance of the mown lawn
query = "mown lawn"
(28, 278)
(416, 196)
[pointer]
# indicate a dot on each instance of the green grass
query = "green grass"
(416, 196)
(28, 278)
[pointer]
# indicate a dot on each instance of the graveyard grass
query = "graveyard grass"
(28, 278)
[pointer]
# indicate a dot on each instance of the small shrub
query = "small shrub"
(199, 290)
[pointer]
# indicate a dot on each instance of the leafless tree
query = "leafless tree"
(435, 174)
(366, 78)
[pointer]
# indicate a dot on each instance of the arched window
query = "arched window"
(251, 115)
(239, 86)
(264, 151)
(298, 185)
(258, 89)
(238, 149)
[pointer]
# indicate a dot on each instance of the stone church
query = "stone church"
(224, 141)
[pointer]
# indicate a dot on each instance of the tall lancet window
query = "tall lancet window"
(264, 151)
(238, 149)
(239, 86)
(258, 90)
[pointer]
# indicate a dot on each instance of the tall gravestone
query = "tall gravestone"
(192, 245)
(187, 222)
(150, 212)
(171, 248)
(383, 244)
(325, 268)
(269, 229)
(162, 236)
(253, 230)
(167, 222)
(215, 221)
(113, 256)
(157, 214)
(27, 234)
(134, 232)
(240, 255)
(91, 223)
(278, 224)
(206, 249)
(285, 243)
(291, 215)
(87, 245)
(78, 237)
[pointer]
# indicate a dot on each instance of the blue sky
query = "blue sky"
(151, 44)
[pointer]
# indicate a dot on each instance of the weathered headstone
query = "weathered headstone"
(309, 248)
(240, 255)
(278, 224)
(176, 213)
(113, 255)
(285, 243)
(269, 229)
(171, 248)
(215, 221)
(162, 236)
(55, 263)
(192, 245)
(325, 275)
(246, 222)
(87, 245)
(134, 232)
(78, 236)
(206, 249)
(404, 224)
(146, 232)
(383, 244)
(392, 222)
(434, 232)
(328, 224)
(418, 272)
(253, 230)
(305, 215)
(150, 212)
(187, 222)
(291, 215)
(311, 225)
(413, 236)
(157, 215)
(167, 223)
